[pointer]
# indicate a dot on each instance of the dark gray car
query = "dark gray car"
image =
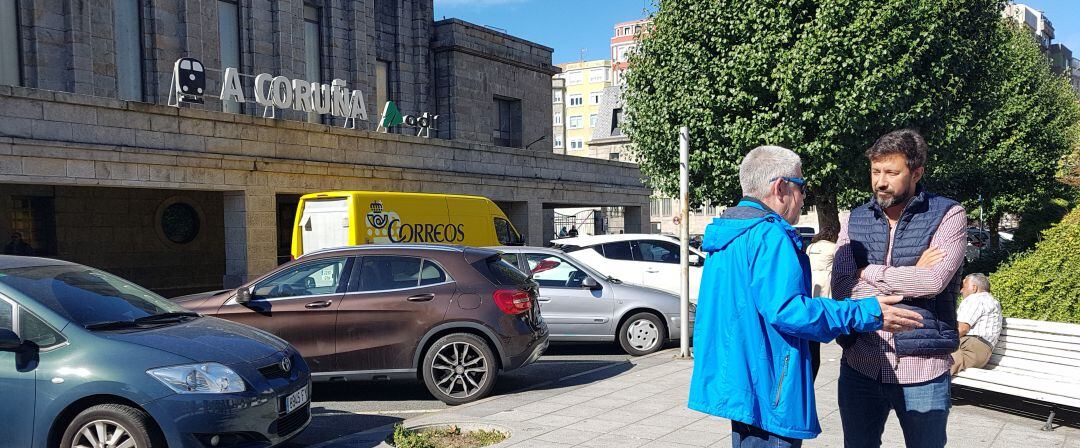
(581, 304)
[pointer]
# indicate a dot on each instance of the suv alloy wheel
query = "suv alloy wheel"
(459, 368)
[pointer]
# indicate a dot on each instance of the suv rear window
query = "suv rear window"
(499, 272)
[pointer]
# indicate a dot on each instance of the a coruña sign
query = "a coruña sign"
(271, 92)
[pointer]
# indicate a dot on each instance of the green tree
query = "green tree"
(1021, 123)
(823, 77)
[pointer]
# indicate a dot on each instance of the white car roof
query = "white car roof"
(589, 240)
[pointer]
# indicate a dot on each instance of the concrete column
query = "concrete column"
(549, 225)
(538, 232)
(637, 219)
(250, 235)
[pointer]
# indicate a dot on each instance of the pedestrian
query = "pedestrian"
(820, 251)
(17, 246)
(755, 314)
(979, 324)
(908, 242)
(573, 231)
(562, 232)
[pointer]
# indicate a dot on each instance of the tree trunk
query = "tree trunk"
(827, 213)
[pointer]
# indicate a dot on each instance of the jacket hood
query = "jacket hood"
(734, 222)
(207, 339)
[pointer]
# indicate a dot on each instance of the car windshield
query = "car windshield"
(85, 295)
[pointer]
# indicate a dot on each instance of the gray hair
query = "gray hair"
(762, 165)
(979, 281)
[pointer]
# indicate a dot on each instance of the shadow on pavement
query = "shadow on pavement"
(327, 424)
(1035, 410)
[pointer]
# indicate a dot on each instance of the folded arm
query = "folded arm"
(912, 281)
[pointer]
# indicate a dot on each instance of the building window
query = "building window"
(626, 30)
(575, 77)
(577, 143)
(180, 223)
(598, 75)
(128, 34)
(576, 100)
(616, 120)
(575, 122)
(556, 96)
(665, 207)
(558, 119)
(507, 122)
(312, 50)
(613, 156)
(9, 42)
(594, 97)
(382, 85)
(558, 142)
(34, 219)
(592, 121)
(229, 37)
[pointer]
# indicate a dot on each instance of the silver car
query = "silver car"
(580, 304)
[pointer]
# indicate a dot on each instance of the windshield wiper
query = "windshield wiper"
(166, 317)
(111, 325)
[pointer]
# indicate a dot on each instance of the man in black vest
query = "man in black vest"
(907, 242)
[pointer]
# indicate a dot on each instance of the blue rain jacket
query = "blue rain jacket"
(755, 317)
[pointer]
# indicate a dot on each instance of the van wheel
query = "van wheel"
(459, 368)
(111, 426)
(641, 334)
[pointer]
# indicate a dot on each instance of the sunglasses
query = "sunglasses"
(800, 182)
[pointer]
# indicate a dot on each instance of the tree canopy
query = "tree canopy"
(826, 78)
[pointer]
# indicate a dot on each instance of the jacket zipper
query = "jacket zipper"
(780, 385)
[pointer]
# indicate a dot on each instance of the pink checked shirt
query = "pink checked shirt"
(874, 354)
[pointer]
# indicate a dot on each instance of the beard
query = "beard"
(892, 199)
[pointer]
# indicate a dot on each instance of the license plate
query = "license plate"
(296, 399)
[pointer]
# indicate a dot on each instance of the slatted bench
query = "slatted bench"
(1033, 359)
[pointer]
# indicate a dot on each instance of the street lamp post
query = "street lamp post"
(684, 242)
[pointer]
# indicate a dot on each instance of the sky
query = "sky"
(576, 28)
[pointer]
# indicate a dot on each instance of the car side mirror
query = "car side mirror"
(590, 283)
(9, 341)
(243, 296)
(695, 260)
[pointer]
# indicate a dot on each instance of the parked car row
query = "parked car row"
(104, 362)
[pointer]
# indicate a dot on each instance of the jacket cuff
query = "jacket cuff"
(868, 318)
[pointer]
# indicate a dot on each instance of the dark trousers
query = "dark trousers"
(815, 356)
(746, 436)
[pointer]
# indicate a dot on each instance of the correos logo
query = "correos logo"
(387, 227)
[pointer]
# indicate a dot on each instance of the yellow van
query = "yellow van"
(343, 218)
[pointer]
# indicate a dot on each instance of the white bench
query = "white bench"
(1033, 359)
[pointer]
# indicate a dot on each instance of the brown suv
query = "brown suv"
(452, 316)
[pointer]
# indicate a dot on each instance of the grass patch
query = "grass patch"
(445, 437)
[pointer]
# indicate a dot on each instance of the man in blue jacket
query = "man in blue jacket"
(755, 314)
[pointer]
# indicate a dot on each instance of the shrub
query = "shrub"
(1044, 283)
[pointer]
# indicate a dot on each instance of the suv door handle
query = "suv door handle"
(652, 270)
(322, 304)
(543, 299)
(421, 297)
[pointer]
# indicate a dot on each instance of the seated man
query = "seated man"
(979, 319)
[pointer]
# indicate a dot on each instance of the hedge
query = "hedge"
(1044, 283)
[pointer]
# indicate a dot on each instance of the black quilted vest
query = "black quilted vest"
(868, 228)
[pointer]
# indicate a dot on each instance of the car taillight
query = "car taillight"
(513, 301)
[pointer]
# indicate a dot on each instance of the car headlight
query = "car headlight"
(205, 378)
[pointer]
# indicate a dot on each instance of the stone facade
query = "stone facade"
(65, 139)
(474, 65)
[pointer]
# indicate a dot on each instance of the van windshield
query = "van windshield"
(85, 295)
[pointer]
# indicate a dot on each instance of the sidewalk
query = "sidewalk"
(643, 404)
